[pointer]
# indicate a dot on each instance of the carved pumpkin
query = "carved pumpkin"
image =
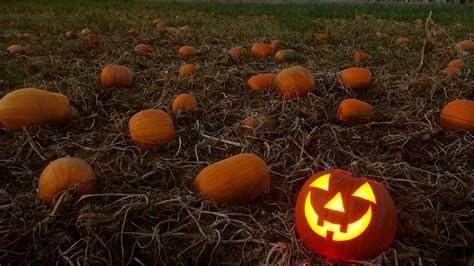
(467, 46)
(294, 82)
(116, 76)
(287, 55)
(361, 57)
(321, 37)
(91, 40)
(70, 35)
(237, 52)
(402, 41)
(456, 63)
(143, 49)
(150, 128)
(261, 82)
(134, 33)
(343, 217)
(187, 70)
(352, 111)
(63, 174)
(356, 78)
(34, 107)
(187, 51)
(16, 49)
(261, 50)
(239, 180)
(458, 115)
(183, 101)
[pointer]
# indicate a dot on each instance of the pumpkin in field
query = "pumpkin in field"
(381, 35)
(34, 107)
(355, 78)
(440, 33)
(321, 37)
(187, 70)
(261, 82)
(161, 25)
(171, 30)
(458, 115)
(143, 49)
(287, 55)
(238, 180)
(261, 50)
(85, 32)
(116, 76)
(185, 28)
(401, 41)
(467, 46)
(150, 128)
(352, 111)
(134, 33)
(70, 35)
(187, 51)
(361, 57)
(237, 52)
(91, 40)
(445, 51)
(419, 21)
(16, 49)
(183, 101)
(471, 35)
(275, 45)
(294, 82)
(452, 71)
(67, 173)
(250, 124)
(456, 63)
(345, 217)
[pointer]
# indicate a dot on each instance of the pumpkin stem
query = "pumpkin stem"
(74, 113)
(355, 169)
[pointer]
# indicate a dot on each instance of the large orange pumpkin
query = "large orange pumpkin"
(16, 49)
(458, 115)
(261, 50)
(116, 76)
(356, 78)
(63, 174)
(187, 70)
(294, 82)
(150, 128)
(343, 217)
(34, 107)
(239, 179)
(187, 51)
(237, 52)
(183, 101)
(261, 82)
(352, 111)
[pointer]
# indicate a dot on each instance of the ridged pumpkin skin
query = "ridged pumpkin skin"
(313, 197)
(237, 180)
(361, 57)
(458, 115)
(183, 101)
(237, 52)
(352, 111)
(16, 49)
(456, 63)
(287, 55)
(467, 46)
(294, 82)
(261, 50)
(143, 49)
(150, 128)
(356, 78)
(187, 70)
(187, 51)
(65, 173)
(116, 76)
(34, 107)
(261, 82)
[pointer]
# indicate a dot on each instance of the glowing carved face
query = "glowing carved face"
(354, 229)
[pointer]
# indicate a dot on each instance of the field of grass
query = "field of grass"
(145, 209)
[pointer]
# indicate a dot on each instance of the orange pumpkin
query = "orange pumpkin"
(321, 37)
(183, 101)
(287, 55)
(261, 50)
(34, 107)
(161, 25)
(294, 82)
(150, 128)
(16, 49)
(64, 174)
(143, 49)
(352, 111)
(452, 71)
(402, 41)
(361, 57)
(467, 46)
(439, 33)
(70, 35)
(456, 63)
(275, 45)
(187, 51)
(253, 122)
(91, 40)
(116, 76)
(261, 82)
(187, 70)
(133, 33)
(458, 115)
(238, 180)
(237, 52)
(356, 78)
(85, 32)
(445, 51)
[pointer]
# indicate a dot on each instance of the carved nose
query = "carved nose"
(335, 203)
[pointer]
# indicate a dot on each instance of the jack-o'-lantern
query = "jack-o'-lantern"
(345, 217)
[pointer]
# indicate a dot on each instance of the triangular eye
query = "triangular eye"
(322, 182)
(365, 192)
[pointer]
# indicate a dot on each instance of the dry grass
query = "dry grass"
(146, 210)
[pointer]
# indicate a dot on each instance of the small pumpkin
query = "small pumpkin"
(161, 25)
(456, 63)
(419, 21)
(237, 53)
(134, 33)
(254, 122)
(261, 82)
(86, 31)
(401, 41)
(287, 55)
(64, 174)
(183, 101)
(440, 33)
(458, 115)
(381, 35)
(171, 30)
(275, 45)
(261, 50)
(471, 35)
(187, 70)
(91, 40)
(352, 111)
(361, 57)
(187, 51)
(452, 71)
(33, 107)
(143, 49)
(237, 180)
(16, 49)
(150, 128)
(445, 51)
(467, 46)
(116, 76)
(185, 28)
(321, 37)
(355, 78)
(70, 35)
(294, 82)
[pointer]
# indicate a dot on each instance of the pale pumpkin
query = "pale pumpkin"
(458, 115)
(294, 82)
(150, 128)
(85, 32)
(91, 40)
(261, 82)
(116, 76)
(183, 101)
(356, 78)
